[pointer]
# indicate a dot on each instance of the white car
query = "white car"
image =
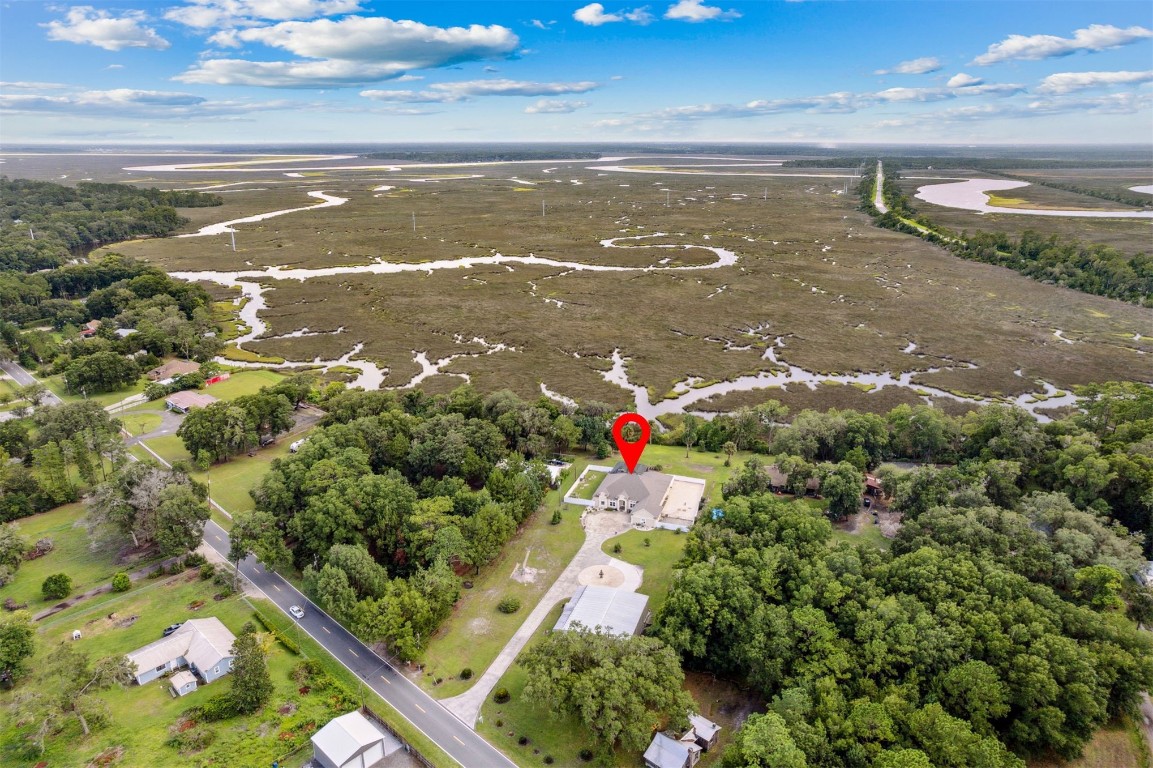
(295, 446)
(296, 611)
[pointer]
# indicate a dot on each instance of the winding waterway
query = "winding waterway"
(371, 375)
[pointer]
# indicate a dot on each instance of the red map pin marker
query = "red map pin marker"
(631, 452)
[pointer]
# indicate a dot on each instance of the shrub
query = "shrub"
(466, 673)
(121, 582)
(509, 604)
(555, 516)
(195, 560)
(191, 740)
(499, 723)
(207, 571)
(522, 740)
(41, 548)
(548, 760)
(586, 754)
(501, 696)
(648, 543)
(617, 548)
(57, 586)
(219, 707)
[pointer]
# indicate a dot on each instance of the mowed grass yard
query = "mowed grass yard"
(476, 631)
(73, 554)
(659, 559)
(142, 716)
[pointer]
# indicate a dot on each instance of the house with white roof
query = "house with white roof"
(204, 646)
(666, 752)
(353, 741)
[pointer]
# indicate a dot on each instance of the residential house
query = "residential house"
(204, 646)
(353, 741)
(667, 752)
(702, 732)
(90, 328)
(615, 611)
(778, 480)
(172, 369)
(641, 494)
(185, 401)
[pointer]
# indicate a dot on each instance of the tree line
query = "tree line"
(46, 224)
(984, 636)
(1092, 268)
(385, 506)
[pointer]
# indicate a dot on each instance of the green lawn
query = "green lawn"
(243, 383)
(141, 716)
(170, 448)
(136, 423)
(561, 737)
(588, 484)
(56, 384)
(72, 555)
(658, 560)
(476, 631)
(710, 467)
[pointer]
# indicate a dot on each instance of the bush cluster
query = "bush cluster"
(509, 605)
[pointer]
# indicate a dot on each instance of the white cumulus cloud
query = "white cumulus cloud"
(554, 107)
(962, 80)
(207, 14)
(85, 25)
(351, 51)
(696, 11)
(1095, 37)
(134, 104)
(920, 66)
(1065, 82)
(594, 15)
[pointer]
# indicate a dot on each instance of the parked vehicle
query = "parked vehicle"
(296, 611)
(170, 629)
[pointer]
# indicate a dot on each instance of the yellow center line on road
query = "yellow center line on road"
(419, 707)
(325, 629)
(354, 653)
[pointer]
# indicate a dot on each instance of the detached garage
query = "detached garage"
(352, 741)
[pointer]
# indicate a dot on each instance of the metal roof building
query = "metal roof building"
(615, 611)
(352, 741)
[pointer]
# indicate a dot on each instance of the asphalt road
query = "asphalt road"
(23, 378)
(428, 715)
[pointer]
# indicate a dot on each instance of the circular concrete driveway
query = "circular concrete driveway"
(601, 576)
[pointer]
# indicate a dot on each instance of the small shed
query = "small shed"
(185, 401)
(666, 752)
(352, 741)
(702, 731)
(183, 682)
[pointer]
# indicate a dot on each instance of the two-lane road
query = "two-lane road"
(428, 715)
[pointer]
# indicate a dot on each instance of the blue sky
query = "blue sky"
(229, 71)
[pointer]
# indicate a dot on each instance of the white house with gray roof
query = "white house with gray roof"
(615, 611)
(204, 646)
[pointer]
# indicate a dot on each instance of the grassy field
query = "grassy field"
(142, 716)
(1119, 745)
(587, 487)
(868, 532)
(708, 466)
(243, 383)
(658, 558)
(563, 738)
(89, 567)
(476, 631)
(811, 270)
(139, 423)
(56, 384)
